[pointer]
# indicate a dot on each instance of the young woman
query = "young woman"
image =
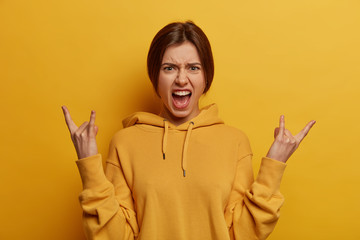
(182, 174)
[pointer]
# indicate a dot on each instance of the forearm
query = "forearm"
(255, 208)
(103, 216)
(263, 200)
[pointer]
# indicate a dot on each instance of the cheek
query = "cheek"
(202, 84)
(162, 88)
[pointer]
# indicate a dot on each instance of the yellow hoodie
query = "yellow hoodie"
(167, 182)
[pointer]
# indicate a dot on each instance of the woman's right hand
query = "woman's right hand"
(83, 137)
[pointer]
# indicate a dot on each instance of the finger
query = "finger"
(91, 129)
(300, 136)
(92, 118)
(276, 132)
(281, 125)
(289, 136)
(287, 133)
(69, 122)
(96, 129)
(81, 129)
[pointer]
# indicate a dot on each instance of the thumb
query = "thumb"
(276, 132)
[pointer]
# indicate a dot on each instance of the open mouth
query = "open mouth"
(181, 99)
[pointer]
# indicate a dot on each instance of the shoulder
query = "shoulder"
(134, 135)
(126, 133)
(240, 138)
(230, 132)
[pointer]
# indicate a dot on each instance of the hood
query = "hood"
(208, 116)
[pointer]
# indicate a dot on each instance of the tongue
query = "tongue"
(181, 101)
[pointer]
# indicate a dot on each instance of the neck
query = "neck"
(177, 120)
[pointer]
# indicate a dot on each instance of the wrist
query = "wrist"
(277, 158)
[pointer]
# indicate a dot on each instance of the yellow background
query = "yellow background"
(299, 58)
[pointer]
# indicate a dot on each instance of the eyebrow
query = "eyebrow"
(173, 64)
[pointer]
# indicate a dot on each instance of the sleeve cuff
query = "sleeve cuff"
(270, 173)
(91, 171)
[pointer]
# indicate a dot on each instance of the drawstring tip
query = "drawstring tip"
(164, 156)
(184, 173)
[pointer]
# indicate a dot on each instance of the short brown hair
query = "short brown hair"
(177, 33)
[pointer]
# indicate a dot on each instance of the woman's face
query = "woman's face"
(181, 83)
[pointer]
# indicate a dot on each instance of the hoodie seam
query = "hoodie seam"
(246, 155)
(158, 129)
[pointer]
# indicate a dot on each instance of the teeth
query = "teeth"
(181, 93)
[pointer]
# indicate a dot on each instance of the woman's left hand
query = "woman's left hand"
(285, 143)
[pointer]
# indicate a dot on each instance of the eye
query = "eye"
(168, 68)
(194, 68)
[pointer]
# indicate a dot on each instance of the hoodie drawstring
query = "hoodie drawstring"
(166, 126)
(186, 144)
(185, 147)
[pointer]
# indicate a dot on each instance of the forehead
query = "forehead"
(181, 53)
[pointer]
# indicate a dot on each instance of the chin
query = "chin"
(180, 113)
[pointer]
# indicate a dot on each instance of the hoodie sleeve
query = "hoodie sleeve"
(253, 207)
(106, 200)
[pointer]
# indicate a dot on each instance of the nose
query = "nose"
(182, 78)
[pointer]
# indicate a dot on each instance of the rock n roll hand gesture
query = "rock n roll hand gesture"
(83, 137)
(285, 143)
